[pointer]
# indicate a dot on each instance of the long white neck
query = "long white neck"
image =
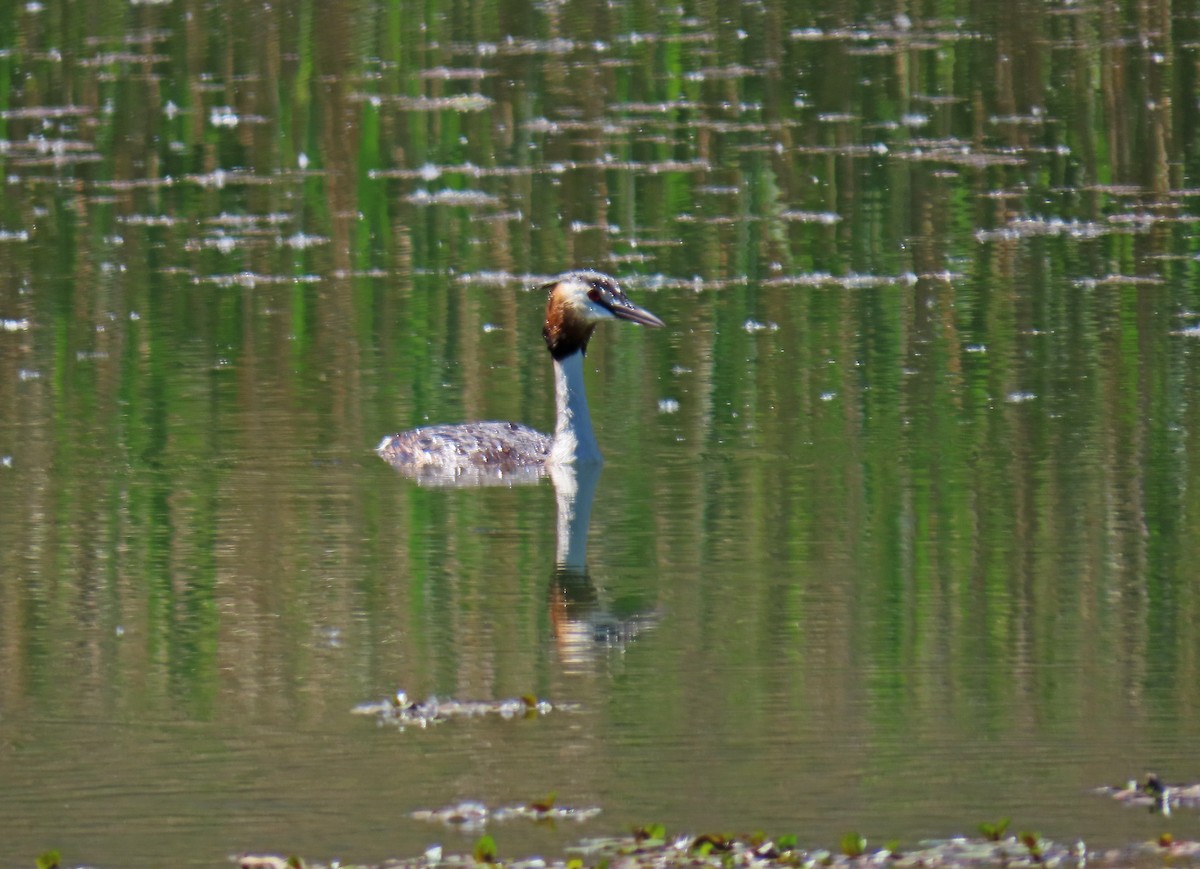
(573, 438)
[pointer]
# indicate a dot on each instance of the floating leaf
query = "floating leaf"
(709, 842)
(295, 862)
(574, 863)
(787, 842)
(650, 833)
(48, 860)
(854, 845)
(544, 805)
(1166, 840)
(1033, 842)
(994, 832)
(485, 850)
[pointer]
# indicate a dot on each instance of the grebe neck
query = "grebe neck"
(574, 440)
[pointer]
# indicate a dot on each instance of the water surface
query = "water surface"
(897, 510)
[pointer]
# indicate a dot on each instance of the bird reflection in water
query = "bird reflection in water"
(583, 622)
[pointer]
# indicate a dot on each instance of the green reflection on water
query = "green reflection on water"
(923, 515)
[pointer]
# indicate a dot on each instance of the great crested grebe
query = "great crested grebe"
(576, 302)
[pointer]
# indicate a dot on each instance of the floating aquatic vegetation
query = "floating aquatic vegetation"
(227, 116)
(60, 159)
(301, 241)
(637, 108)
(220, 178)
(753, 326)
(994, 831)
(875, 49)
(473, 815)
(827, 218)
(854, 845)
(929, 34)
(1033, 844)
(1118, 280)
(517, 46)
(271, 861)
(961, 154)
(852, 282)
(499, 279)
(624, 259)
(431, 172)
(585, 226)
(733, 71)
(485, 850)
(249, 280)
(636, 38)
(342, 274)
(42, 113)
(1028, 227)
(455, 103)
(148, 219)
(877, 149)
(1155, 794)
(650, 847)
(125, 184)
(47, 151)
(715, 219)
(274, 218)
(938, 99)
(144, 36)
(223, 116)
(1036, 117)
(1146, 220)
(650, 168)
(469, 198)
(109, 58)
(545, 125)
(219, 242)
(402, 712)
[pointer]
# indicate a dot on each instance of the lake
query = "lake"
(895, 531)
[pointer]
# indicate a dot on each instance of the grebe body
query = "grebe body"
(507, 451)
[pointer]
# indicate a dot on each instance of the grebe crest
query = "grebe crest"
(495, 452)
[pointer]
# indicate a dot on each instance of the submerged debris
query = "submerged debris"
(650, 847)
(1154, 794)
(469, 814)
(402, 712)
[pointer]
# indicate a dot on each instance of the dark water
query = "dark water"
(902, 499)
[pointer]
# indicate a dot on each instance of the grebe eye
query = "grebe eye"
(594, 293)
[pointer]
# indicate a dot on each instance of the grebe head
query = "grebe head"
(577, 301)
